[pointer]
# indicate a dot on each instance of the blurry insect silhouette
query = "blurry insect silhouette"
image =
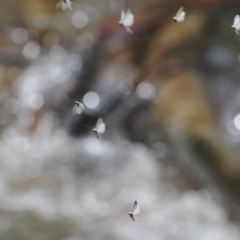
(127, 19)
(135, 211)
(180, 16)
(100, 128)
(64, 4)
(236, 24)
(78, 108)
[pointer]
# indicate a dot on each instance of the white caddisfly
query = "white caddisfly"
(135, 211)
(127, 19)
(100, 127)
(78, 108)
(180, 16)
(236, 24)
(64, 4)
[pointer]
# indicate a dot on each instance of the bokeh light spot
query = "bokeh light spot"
(91, 100)
(145, 90)
(31, 50)
(80, 19)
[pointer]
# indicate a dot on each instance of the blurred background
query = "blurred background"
(170, 97)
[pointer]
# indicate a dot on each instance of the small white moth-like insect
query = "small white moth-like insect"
(100, 127)
(127, 19)
(180, 16)
(64, 4)
(78, 108)
(236, 24)
(136, 210)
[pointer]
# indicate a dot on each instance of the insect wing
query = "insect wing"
(77, 109)
(69, 3)
(237, 28)
(134, 206)
(122, 17)
(62, 5)
(100, 127)
(181, 17)
(128, 19)
(81, 107)
(100, 121)
(136, 209)
(236, 21)
(181, 9)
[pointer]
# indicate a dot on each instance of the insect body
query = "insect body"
(127, 19)
(64, 4)
(180, 16)
(100, 127)
(236, 24)
(78, 108)
(135, 211)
